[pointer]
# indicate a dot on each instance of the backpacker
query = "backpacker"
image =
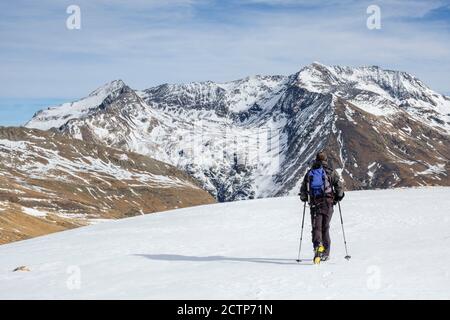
(319, 184)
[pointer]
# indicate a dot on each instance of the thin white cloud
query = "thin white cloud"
(147, 43)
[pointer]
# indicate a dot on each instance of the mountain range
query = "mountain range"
(255, 137)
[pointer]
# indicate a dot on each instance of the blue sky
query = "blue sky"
(150, 42)
(17, 111)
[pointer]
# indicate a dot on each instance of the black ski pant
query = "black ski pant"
(321, 213)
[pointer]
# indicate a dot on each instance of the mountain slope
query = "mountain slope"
(378, 91)
(50, 182)
(56, 116)
(371, 151)
(244, 250)
(255, 137)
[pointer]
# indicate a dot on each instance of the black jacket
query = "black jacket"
(335, 181)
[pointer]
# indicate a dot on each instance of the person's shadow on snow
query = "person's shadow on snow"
(177, 257)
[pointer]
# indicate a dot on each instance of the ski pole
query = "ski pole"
(343, 232)
(301, 234)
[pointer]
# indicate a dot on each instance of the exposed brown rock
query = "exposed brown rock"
(22, 268)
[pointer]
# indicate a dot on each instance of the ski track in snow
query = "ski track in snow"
(245, 250)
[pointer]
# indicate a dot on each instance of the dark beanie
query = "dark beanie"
(321, 156)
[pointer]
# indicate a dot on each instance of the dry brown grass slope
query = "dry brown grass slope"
(388, 151)
(50, 182)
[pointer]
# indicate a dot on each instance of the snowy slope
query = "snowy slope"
(56, 116)
(398, 240)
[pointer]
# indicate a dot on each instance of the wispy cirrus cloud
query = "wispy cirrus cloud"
(150, 42)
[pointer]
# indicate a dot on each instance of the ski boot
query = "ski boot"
(325, 255)
(318, 253)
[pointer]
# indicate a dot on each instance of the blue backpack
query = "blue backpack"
(319, 185)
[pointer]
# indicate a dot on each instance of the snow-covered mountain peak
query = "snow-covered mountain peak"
(108, 88)
(233, 96)
(376, 90)
(56, 116)
(317, 77)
